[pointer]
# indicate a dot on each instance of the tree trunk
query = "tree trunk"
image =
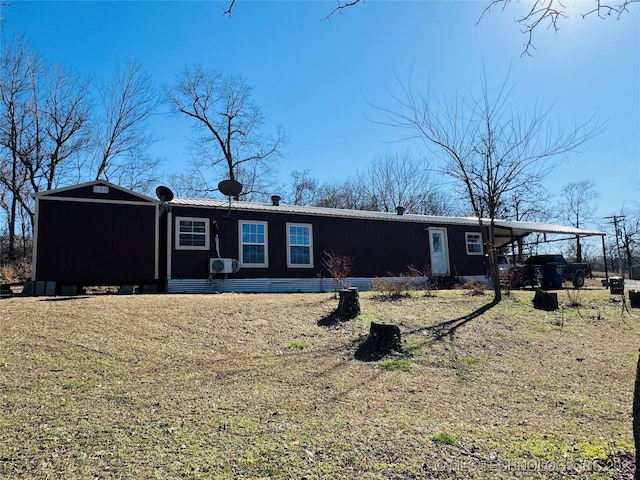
(494, 271)
(578, 249)
(349, 304)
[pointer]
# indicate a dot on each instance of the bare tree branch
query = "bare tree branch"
(227, 125)
(547, 14)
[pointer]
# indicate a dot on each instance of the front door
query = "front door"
(439, 251)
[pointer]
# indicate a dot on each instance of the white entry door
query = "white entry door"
(438, 247)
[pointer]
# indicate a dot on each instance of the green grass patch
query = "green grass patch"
(395, 365)
(444, 438)
(296, 345)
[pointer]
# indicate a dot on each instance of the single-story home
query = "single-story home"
(98, 233)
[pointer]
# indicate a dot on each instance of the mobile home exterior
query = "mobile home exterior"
(98, 233)
(282, 247)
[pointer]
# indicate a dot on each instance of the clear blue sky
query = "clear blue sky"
(317, 78)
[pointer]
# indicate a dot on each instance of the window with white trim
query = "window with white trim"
(474, 243)
(299, 245)
(253, 244)
(192, 233)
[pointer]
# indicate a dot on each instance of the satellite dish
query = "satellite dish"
(230, 188)
(164, 193)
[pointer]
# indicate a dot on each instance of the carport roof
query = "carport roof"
(507, 230)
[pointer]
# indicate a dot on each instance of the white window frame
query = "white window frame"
(467, 242)
(309, 246)
(192, 247)
(241, 244)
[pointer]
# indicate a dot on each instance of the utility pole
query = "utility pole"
(614, 220)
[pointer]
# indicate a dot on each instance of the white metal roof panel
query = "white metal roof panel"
(514, 227)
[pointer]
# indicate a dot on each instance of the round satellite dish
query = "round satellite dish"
(164, 193)
(230, 188)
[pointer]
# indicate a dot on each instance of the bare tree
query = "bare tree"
(62, 125)
(45, 112)
(15, 72)
(228, 123)
(348, 194)
(127, 103)
(400, 180)
(188, 185)
(624, 247)
(304, 189)
(488, 148)
(529, 203)
(577, 206)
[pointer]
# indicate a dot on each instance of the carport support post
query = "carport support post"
(604, 257)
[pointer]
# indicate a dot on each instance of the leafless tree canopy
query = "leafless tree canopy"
(227, 123)
(127, 102)
(577, 206)
(402, 180)
(491, 150)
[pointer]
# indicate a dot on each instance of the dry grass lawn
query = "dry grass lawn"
(251, 386)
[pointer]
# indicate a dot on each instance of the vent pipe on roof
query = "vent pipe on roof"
(275, 200)
(400, 210)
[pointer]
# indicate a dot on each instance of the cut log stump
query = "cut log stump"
(545, 300)
(634, 299)
(385, 337)
(349, 304)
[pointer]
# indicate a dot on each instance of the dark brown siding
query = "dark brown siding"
(378, 247)
(95, 243)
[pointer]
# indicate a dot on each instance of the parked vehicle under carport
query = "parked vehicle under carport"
(551, 271)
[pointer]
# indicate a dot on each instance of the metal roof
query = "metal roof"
(505, 231)
(321, 211)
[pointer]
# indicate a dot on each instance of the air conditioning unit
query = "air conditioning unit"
(223, 265)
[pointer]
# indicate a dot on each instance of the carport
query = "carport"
(510, 232)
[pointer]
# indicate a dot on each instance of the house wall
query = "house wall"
(93, 243)
(378, 247)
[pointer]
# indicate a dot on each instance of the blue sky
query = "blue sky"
(318, 78)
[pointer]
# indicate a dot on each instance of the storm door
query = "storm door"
(439, 250)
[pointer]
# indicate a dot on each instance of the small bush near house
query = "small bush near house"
(393, 288)
(474, 288)
(339, 268)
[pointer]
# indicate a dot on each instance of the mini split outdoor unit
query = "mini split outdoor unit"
(223, 265)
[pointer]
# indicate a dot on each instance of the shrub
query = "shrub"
(391, 288)
(338, 267)
(474, 288)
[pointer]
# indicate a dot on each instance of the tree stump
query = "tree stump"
(634, 299)
(384, 338)
(545, 300)
(349, 304)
